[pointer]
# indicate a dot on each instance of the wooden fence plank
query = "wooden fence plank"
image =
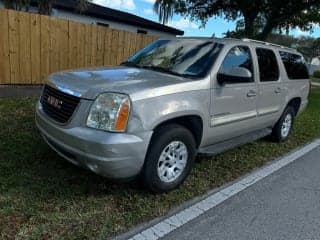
(4, 48)
(54, 45)
(145, 40)
(107, 47)
(126, 51)
(133, 43)
(13, 18)
(139, 43)
(63, 44)
(45, 47)
(87, 43)
(35, 48)
(25, 51)
(81, 45)
(120, 47)
(150, 39)
(94, 36)
(114, 46)
(73, 48)
(100, 45)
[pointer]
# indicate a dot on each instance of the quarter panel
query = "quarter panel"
(297, 88)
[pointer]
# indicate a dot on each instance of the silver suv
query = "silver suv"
(174, 99)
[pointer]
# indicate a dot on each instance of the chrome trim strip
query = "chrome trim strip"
(268, 110)
(218, 121)
(68, 91)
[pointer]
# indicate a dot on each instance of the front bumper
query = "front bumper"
(113, 155)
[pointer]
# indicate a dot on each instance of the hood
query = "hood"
(88, 83)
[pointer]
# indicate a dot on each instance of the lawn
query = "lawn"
(44, 197)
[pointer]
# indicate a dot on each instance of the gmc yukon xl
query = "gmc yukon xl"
(175, 98)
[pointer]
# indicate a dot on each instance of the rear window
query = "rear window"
(294, 65)
(268, 65)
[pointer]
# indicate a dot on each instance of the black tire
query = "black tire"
(277, 133)
(161, 139)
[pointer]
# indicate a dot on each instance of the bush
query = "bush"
(316, 74)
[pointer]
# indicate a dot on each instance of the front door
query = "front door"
(233, 104)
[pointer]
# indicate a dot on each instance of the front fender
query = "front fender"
(149, 113)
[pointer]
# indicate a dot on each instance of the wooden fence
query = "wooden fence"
(33, 46)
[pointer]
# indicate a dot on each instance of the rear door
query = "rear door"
(233, 105)
(271, 95)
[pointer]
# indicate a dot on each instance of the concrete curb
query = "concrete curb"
(315, 84)
(162, 226)
(20, 91)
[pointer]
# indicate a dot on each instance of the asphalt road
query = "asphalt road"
(284, 205)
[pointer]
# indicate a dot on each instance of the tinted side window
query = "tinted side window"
(238, 57)
(295, 65)
(268, 65)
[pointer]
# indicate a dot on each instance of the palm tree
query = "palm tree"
(83, 5)
(164, 9)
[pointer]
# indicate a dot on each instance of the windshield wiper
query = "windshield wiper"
(130, 64)
(164, 70)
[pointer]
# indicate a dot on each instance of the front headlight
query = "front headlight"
(109, 112)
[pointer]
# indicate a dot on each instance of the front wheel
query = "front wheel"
(283, 128)
(170, 158)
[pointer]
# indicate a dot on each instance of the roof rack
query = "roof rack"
(267, 43)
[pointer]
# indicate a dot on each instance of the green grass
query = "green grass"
(44, 197)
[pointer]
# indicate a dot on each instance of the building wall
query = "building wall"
(91, 20)
(315, 61)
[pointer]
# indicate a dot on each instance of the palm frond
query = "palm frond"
(164, 9)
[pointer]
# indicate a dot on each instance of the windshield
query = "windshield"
(189, 58)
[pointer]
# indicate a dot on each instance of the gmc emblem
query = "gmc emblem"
(54, 102)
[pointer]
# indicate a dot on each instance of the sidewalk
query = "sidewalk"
(315, 84)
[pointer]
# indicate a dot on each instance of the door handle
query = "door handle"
(278, 90)
(251, 93)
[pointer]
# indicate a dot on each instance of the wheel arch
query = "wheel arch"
(192, 122)
(295, 103)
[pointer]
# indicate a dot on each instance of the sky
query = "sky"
(216, 26)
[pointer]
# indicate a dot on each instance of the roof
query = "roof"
(106, 13)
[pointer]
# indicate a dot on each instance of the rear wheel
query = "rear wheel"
(283, 128)
(170, 158)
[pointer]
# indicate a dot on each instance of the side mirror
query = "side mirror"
(234, 75)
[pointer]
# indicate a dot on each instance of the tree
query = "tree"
(83, 5)
(255, 18)
(308, 46)
(19, 5)
(164, 9)
(44, 6)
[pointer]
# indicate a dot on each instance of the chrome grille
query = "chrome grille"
(58, 105)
